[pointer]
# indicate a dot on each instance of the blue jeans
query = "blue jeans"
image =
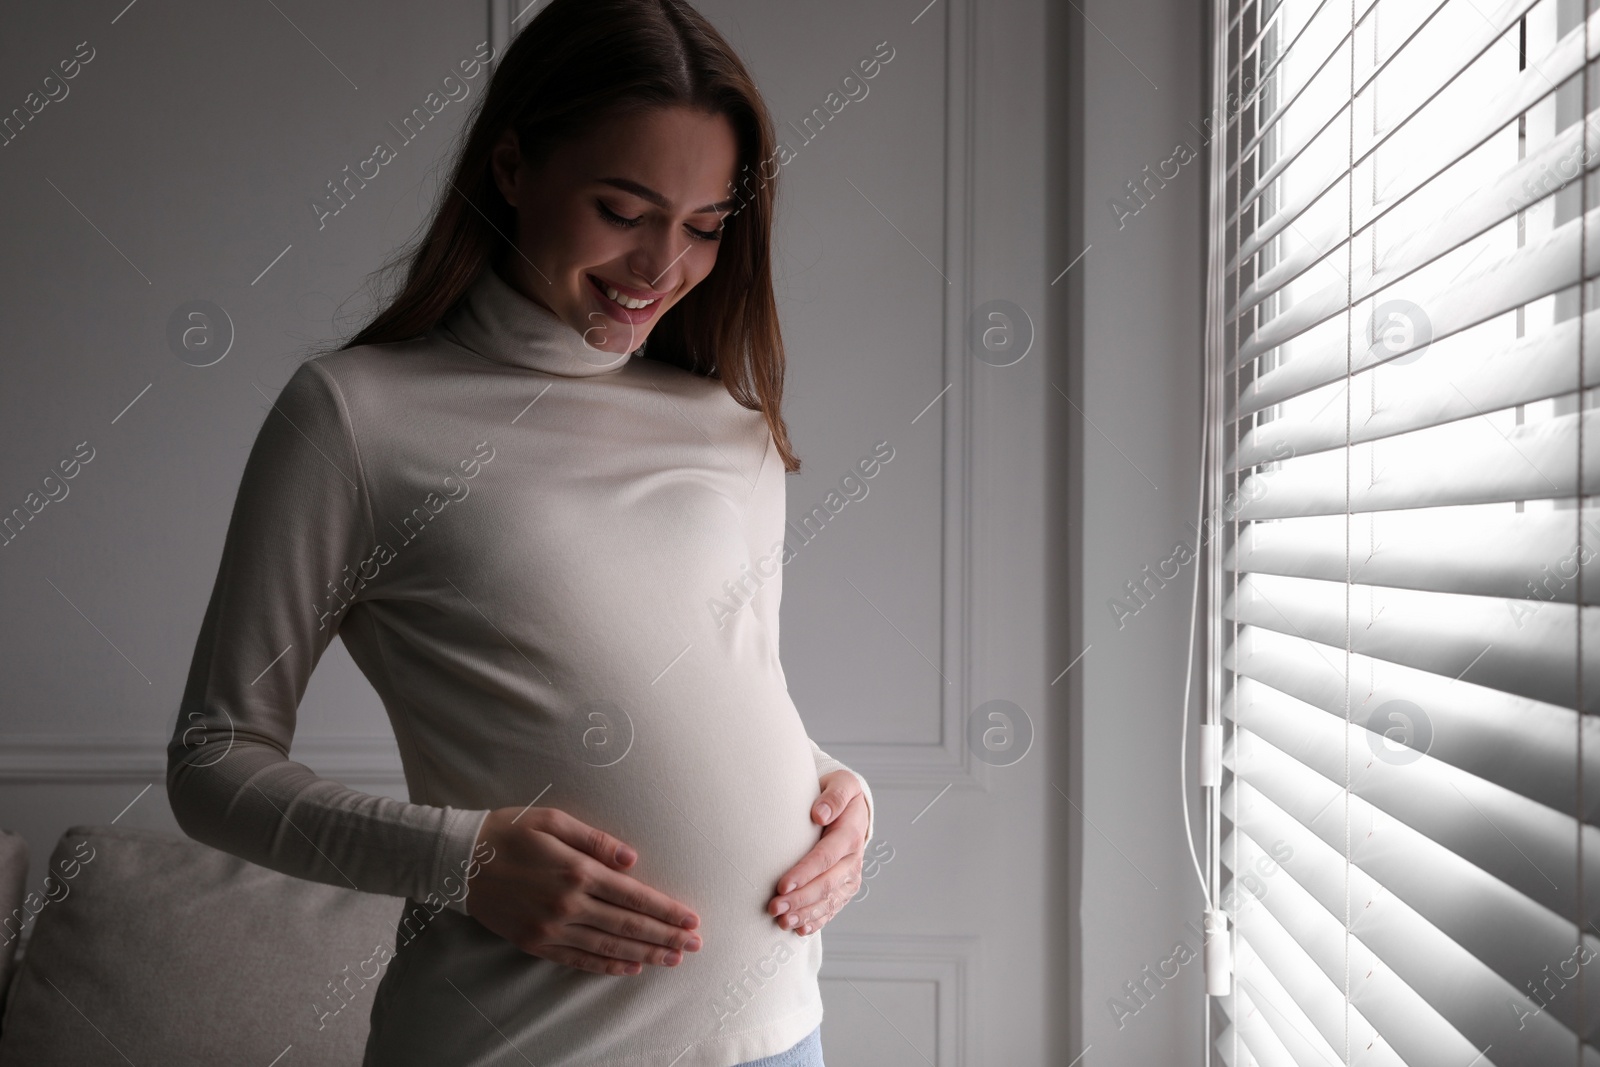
(808, 1053)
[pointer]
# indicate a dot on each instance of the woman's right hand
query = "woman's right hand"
(553, 886)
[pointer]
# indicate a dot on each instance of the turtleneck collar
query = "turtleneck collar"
(500, 323)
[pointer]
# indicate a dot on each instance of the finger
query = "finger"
(847, 835)
(632, 926)
(786, 905)
(609, 946)
(812, 925)
(587, 839)
(829, 891)
(813, 863)
(832, 902)
(809, 920)
(628, 892)
(838, 789)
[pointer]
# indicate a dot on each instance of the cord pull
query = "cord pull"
(1218, 954)
(1210, 755)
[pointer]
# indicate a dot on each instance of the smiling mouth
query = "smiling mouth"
(619, 298)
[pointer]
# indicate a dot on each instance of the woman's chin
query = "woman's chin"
(611, 347)
(615, 338)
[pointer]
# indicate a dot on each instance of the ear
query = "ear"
(506, 163)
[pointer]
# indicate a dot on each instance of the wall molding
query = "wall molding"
(53, 758)
(920, 765)
(950, 962)
(46, 758)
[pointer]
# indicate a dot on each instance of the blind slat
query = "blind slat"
(1533, 556)
(1479, 293)
(1308, 55)
(1409, 1024)
(1277, 994)
(1278, 1009)
(1431, 798)
(1308, 31)
(1312, 124)
(1500, 198)
(1441, 955)
(1287, 967)
(1444, 633)
(1320, 170)
(1520, 744)
(1389, 859)
(1464, 131)
(1533, 462)
(1257, 1035)
(1484, 377)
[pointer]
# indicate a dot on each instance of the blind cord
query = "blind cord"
(1188, 671)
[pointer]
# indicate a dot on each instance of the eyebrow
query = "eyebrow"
(644, 192)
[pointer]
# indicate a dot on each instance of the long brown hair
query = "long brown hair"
(578, 63)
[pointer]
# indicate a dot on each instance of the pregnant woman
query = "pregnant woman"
(530, 496)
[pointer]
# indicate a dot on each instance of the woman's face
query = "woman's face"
(627, 214)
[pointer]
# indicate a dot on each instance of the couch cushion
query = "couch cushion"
(164, 950)
(13, 915)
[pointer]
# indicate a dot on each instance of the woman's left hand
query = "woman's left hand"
(822, 883)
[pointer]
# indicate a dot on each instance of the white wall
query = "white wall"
(1128, 79)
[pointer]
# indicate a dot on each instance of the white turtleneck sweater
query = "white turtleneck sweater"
(523, 543)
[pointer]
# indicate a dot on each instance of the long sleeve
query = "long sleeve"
(826, 764)
(768, 599)
(302, 515)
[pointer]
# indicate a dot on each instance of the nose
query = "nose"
(654, 257)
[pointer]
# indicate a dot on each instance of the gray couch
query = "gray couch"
(155, 949)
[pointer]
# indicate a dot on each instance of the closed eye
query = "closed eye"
(618, 220)
(629, 223)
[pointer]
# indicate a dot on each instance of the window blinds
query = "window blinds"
(1403, 351)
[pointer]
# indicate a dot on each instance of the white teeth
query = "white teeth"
(627, 301)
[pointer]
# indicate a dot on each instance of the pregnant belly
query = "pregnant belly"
(709, 776)
(712, 785)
